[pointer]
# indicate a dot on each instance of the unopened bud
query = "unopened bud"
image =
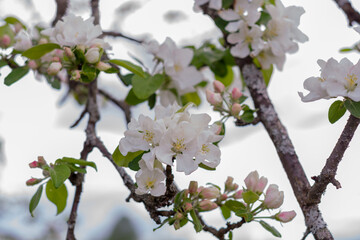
(193, 187)
(236, 109)
(285, 217)
(55, 59)
(46, 173)
(75, 75)
(238, 194)
(33, 164)
(33, 181)
(210, 193)
(213, 98)
(18, 27)
(229, 183)
(43, 41)
(236, 93)
(207, 205)
(41, 161)
(188, 207)
(54, 68)
(218, 86)
(32, 65)
(92, 55)
(254, 183)
(273, 197)
(5, 41)
(103, 66)
(59, 53)
(223, 197)
(234, 187)
(179, 216)
(69, 53)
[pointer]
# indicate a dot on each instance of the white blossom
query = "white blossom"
(150, 180)
(22, 41)
(73, 30)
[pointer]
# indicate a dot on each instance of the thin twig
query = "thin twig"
(82, 115)
(351, 14)
(117, 34)
(306, 233)
(61, 8)
(329, 171)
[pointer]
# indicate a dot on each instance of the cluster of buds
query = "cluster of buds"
(227, 103)
(246, 202)
(40, 163)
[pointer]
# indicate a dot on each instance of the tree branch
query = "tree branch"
(95, 11)
(329, 171)
(61, 7)
(117, 34)
(350, 12)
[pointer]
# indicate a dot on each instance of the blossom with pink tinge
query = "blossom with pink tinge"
(285, 217)
(219, 87)
(236, 93)
(236, 109)
(210, 193)
(213, 98)
(54, 68)
(207, 205)
(273, 197)
(254, 183)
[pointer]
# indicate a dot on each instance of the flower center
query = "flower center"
(177, 68)
(178, 146)
(351, 79)
(150, 183)
(148, 136)
(205, 149)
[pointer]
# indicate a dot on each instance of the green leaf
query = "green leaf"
(221, 23)
(40, 50)
(219, 68)
(14, 20)
(88, 73)
(15, 75)
(126, 79)
(3, 63)
(59, 174)
(264, 18)
(214, 185)
(74, 168)
(227, 3)
(353, 107)
(183, 222)
(270, 229)
(346, 49)
(228, 78)
(178, 199)
(206, 167)
(78, 161)
(57, 196)
(129, 66)
(132, 99)
(336, 111)
(123, 161)
(112, 70)
(250, 197)
(225, 212)
(192, 97)
(234, 205)
(134, 164)
(267, 74)
(248, 116)
(55, 84)
(152, 101)
(197, 224)
(144, 87)
(162, 224)
(35, 200)
(248, 216)
(230, 235)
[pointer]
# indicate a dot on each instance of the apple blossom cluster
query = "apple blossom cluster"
(229, 104)
(174, 136)
(175, 63)
(336, 79)
(265, 30)
(241, 202)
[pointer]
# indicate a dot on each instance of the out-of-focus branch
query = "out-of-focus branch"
(329, 171)
(61, 7)
(351, 14)
(121, 104)
(281, 140)
(117, 34)
(95, 11)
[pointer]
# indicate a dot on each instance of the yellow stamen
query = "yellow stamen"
(178, 146)
(351, 79)
(150, 183)
(148, 136)
(205, 149)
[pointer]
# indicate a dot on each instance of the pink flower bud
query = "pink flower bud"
(41, 161)
(253, 183)
(18, 27)
(285, 217)
(103, 66)
(213, 98)
(32, 65)
(207, 205)
(218, 86)
(33, 181)
(238, 194)
(200, 189)
(193, 187)
(179, 216)
(43, 41)
(69, 53)
(5, 41)
(223, 197)
(236, 109)
(188, 207)
(75, 75)
(92, 55)
(33, 164)
(54, 68)
(234, 187)
(229, 183)
(273, 197)
(55, 59)
(219, 129)
(236, 93)
(210, 193)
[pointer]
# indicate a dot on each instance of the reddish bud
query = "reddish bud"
(32, 65)
(207, 205)
(236, 93)
(5, 41)
(238, 194)
(210, 193)
(223, 197)
(285, 217)
(33, 181)
(218, 86)
(188, 207)
(193, 187)
(33, 164)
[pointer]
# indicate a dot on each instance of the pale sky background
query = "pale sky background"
(32, 124)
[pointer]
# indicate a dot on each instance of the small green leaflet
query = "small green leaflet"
(13, 20)
(144, 87)
(250, 197)
(77, 161)
(178, 199)
(59, 174)
(129, 66)
(35, 200)
(267, 74)
(191, 97)
(353, 107)
(40, 50)
(234, 205)
(336, 111)
(197, 224)
(132, 99)
(134, 164)
(57, 196)
(228, 78)
(206, 167)
(348, 49)
(123, 161)
(15, 75)
(270, 229)
(225, 212)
